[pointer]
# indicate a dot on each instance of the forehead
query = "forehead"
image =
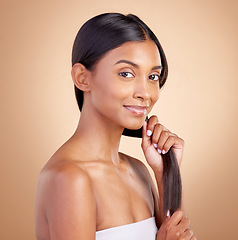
(144, 53)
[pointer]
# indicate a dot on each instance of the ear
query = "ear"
(80, 76)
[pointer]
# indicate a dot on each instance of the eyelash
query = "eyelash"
(125, 73)
(157, 75)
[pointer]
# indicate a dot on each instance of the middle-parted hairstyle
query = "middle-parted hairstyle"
(108, 31)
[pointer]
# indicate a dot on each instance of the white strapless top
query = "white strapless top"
(142, 230)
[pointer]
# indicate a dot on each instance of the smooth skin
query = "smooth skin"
(88, 185)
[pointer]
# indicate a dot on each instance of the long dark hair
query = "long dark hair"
(108, 31)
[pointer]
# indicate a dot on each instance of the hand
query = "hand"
(157, 140)
(175, 227)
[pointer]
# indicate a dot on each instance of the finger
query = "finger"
(153, 120)
(188, 234)
(164, 135)
(146, 141)
(176, 217)
(183, 225)
(171, 141)
(158, 128)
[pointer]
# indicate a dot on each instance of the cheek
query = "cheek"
(110, 87)
(107, 91)
(155, 93)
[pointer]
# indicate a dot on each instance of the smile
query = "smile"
(138, 110)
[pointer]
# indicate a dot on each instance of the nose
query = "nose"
(142, 89)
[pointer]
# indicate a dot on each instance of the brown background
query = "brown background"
(199, 101)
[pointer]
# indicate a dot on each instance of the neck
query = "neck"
(99, 137)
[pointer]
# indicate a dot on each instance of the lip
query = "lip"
(138, 110)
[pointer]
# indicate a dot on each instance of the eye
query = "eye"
(126, 74)
(154, 77)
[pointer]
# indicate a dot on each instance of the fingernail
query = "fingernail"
(163, 151)
(159, 151)
(149, 133)
(168, 213)
(155, 145)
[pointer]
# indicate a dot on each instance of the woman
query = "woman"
(88, 190)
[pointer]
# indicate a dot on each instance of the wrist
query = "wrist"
(158, 174)
(159, 180)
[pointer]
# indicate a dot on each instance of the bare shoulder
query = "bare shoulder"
(63, 173)
(138, 167)
(62, 169)
(65, 199)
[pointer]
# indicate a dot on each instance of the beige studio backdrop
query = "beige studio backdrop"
(199, 101)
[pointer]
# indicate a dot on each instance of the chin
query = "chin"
(135, 125)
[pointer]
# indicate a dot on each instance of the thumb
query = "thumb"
(146, 137)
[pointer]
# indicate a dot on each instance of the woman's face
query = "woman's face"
(124, 85)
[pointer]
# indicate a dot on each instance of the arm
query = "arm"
(157, 140)
(68, 203)
(159, 182)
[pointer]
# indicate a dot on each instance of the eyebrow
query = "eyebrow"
(134, 64)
